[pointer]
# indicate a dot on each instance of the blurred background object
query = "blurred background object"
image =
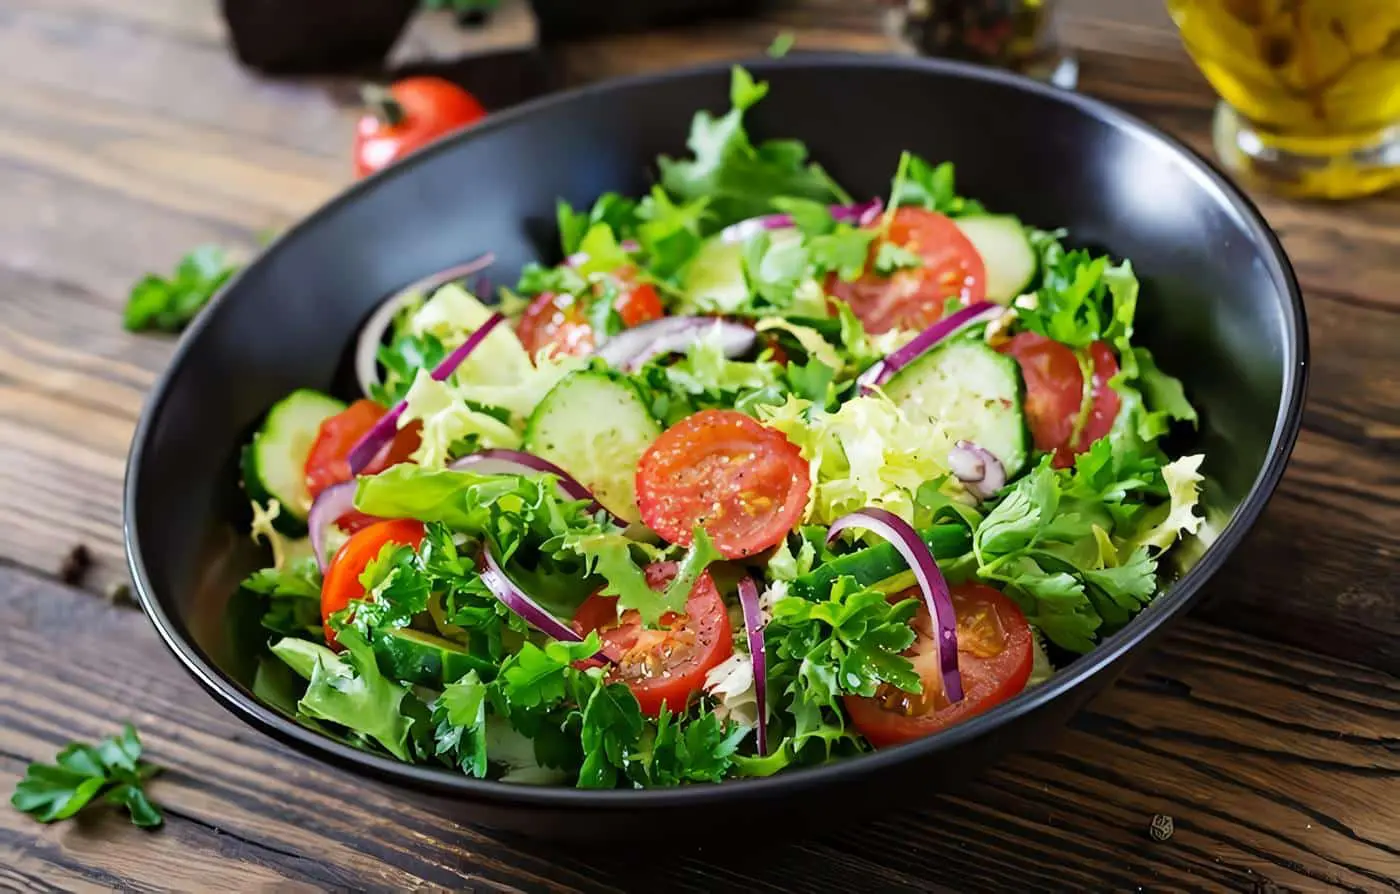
(1310, 90)
(1014, 34)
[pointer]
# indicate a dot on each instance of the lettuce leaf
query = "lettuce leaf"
(865, 453)
(739, 178)
(349, 690)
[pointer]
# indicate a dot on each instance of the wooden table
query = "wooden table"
(1267, 725)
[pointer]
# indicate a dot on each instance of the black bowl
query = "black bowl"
(1220, 308)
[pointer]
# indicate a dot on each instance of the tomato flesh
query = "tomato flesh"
(1055, 394)
(431, 107)
(328, 463)
(915, 297)
(666, 665)
(995, 656)
(744, 483)
(341, 584)
(560, 322)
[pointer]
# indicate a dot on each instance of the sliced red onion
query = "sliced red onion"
(879, 373)
(858, 215)
(500, 461)
(978, 469)
(372, 333)
(382, 431)
(330, 505)
(902, 536)
(517, 601)
(631, 348)
(753, 626)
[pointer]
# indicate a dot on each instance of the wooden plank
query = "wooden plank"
(1220, 731)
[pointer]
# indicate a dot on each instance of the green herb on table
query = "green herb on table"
(168, 305)
(782, 44)
(112, 768)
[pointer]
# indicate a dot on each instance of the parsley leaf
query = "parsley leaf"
(168, 305)
(460, 718)
(669, 233)
(700, 750)
(922, 185)
(57, 791)
(292, 596)
(781, 44)
(739, 178)
(890, 257)
(615, 211)
(848, 643)
(1082, 298)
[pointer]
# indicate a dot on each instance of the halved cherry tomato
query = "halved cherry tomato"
(994, 658)
(744, 483)
(668, 664)
(560, 322)
(410, 114)
(342, 580)
(328, 462)
(915, 297)
(1055, 393)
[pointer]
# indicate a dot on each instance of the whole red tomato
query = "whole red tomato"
(411, 113)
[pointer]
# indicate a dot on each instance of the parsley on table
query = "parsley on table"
(112, 768)
(168, 305)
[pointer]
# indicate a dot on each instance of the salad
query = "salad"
(757, 477)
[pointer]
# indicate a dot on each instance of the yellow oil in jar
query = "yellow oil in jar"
(1311, 89)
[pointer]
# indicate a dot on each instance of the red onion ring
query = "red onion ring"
(977, 468)
(753, 627)
(383, 431)
(631, 348)
(860, 215)
(519, 602)
(372, 332)
(902, 536)
(880, 372)
(499, 461)
(329, 506)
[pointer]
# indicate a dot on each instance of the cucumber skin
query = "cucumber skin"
(285, 523)
(876, 563)
(423, 663)
(1019, 401)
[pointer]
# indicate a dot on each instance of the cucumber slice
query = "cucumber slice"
(714, 279)
(595, 426)
(970, 392)
(274, 462)
(412, 656)
(1005, 251)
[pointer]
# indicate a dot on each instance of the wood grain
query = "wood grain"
(1269, 728)
(1220, 731)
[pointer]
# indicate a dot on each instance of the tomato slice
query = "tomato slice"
(666, 665)
(915, 297)
(744, 483)
(1055, 393)
(995, 656)
(560, 322)
(328, 462)
(342, 581)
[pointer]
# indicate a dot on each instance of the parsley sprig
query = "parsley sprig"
(169, 304)
(112, 769)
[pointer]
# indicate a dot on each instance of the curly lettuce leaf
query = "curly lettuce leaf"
(865, 453)
(738, 177)
(610, 556)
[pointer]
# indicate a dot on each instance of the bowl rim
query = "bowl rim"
(446, 782)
